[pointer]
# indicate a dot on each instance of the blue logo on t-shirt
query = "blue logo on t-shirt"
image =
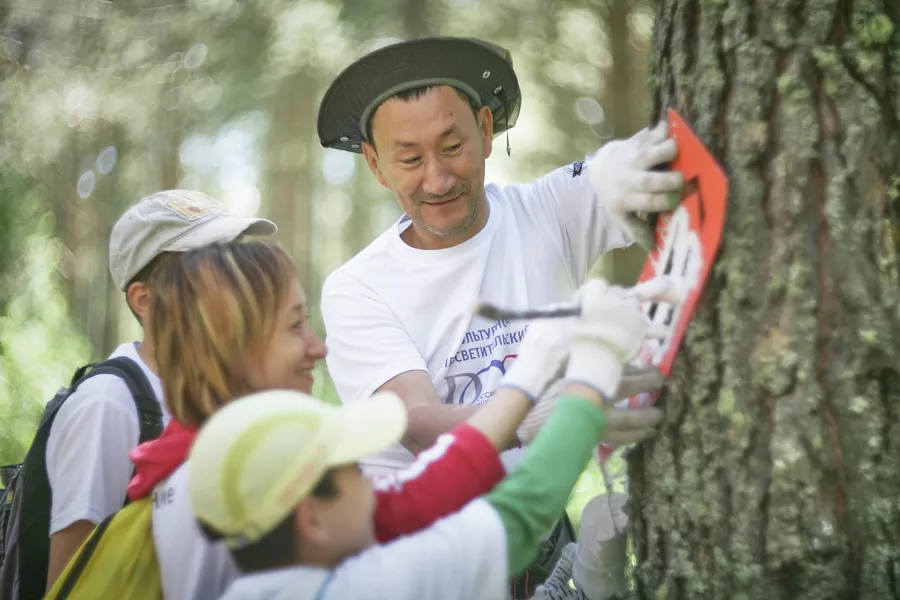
(477, 386)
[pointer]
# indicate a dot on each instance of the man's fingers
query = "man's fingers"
(656, 182)
(640, 232)
(621, 419)
(658, 154)
(645, 202)
(658, 133)
(649, 379)
(629, 436)
(659, 289)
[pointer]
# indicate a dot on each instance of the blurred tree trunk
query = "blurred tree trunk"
(777, 473)
(60, 181)
(415, 18)
(359, 230)
(626, 103)
(116, 199)
(290, 168)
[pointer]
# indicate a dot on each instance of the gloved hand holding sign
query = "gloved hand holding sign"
(622, 428)
(612, 317)
(625, 181)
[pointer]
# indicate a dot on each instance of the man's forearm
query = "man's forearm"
(427, 421)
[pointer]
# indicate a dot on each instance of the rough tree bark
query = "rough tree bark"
(777, 473)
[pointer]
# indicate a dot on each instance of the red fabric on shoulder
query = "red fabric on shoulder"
(155, 460)
(459, 467)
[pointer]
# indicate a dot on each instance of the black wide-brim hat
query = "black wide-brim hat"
(481, 70)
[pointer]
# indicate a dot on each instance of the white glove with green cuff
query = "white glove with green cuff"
(608, 334)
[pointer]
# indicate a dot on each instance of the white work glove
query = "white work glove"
(541, 356)
(625, 182)
(623, 426)
(608, 334)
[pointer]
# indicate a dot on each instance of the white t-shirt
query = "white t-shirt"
(393, 308)
(190, 566)
(91, 437)
(461, 557)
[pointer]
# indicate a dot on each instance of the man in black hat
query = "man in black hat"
(424, 114)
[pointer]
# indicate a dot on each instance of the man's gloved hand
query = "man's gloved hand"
(625, 182)
(541, 356)
(624, 426)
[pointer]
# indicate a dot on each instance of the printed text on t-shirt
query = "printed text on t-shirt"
(476, 384)
(484, 350)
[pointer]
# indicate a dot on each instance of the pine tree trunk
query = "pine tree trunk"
(777, 473)
(290, 169)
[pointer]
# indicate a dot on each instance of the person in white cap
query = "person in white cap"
(87, 460)
(275, 475)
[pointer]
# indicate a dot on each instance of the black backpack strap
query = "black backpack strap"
(34, 544)
(149, 410)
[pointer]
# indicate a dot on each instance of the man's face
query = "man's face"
(430, 153)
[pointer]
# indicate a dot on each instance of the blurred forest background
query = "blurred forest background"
(104, 102)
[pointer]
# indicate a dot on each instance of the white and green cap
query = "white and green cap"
(173, 221)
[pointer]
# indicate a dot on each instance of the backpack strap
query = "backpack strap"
(149, 411)
(87, 551)
(36, 495)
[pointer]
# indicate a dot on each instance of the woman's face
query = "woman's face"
(293, 350)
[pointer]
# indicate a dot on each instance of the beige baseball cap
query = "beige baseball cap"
(173, 221)
(255, 459)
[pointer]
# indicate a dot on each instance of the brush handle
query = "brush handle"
(496, 313)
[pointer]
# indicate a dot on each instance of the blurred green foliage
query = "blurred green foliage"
(105, 102)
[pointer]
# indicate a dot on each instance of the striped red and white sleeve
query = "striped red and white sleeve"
(459, 467)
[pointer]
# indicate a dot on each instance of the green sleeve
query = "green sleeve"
(532, 497)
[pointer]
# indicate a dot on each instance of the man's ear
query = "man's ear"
(138, 297)
(372, 160)
(486, 126)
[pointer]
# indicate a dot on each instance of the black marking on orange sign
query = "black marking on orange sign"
(691, 187)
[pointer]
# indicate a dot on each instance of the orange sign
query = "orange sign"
(687, 239)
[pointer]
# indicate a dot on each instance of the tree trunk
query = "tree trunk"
(414, 15)
(627, 109)
(777, 472)
(290, 169)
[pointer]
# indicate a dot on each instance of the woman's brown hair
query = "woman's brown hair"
(211, 310)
